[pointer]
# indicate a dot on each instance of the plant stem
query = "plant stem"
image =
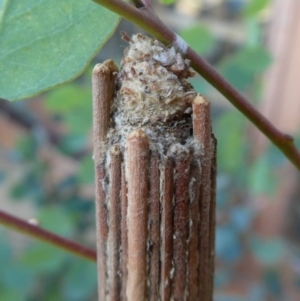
(114, 237)
(138, 161)
(202, 134)
(103, 90)
(212, 218)
(167, 229)
(181, 229)
(22, 226)
(150, 23)
(124, 236)
(154, 227)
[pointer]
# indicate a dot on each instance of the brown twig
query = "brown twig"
(124, 206)
(103, 89)
(22, 226)
(194, 231)
(154, 228)
(202, 135)
(167, 229)
(181, 222)
(137, 178)
(103, 81)
(212, 217)
(114, 236)
(159, 30)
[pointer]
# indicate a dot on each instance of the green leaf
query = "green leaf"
(10, 295)
(199, 84)
(79, 288)
(19, 191)
(86, 171)
(261, 177)
(18, 277)
(198, 37)
(240, 68)
(229, 130)
(236, 75)
(57, 220)
(45, 43)
(42, 258)
(167, 2)
(73, 103)
(80, 121)
(3, 4)
(268, 252)
(68, 97)
(72, 143)
(254, 59)
(255, 6)
(6, 252)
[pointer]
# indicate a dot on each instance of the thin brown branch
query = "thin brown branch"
(137, 178)
(22, 226)
(149, 22)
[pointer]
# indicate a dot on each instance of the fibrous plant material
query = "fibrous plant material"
(153, 155)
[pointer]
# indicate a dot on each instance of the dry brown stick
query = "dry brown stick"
(202, 135)
(102, 229)
(114, 235)
(124, 205)
(181, 222)
(137, 179)
(167, 229)
(154, 229)
(212, 227)
(195, 183)
(103, 83)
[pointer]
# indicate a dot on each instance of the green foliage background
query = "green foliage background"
(46, 43)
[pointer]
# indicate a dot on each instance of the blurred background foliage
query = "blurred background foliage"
(46, 167)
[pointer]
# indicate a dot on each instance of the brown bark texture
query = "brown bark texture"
(155, 198)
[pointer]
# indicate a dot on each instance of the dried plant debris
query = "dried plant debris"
(152, 93)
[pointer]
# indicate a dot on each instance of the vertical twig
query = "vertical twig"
(212, 226)
(114, 235)
(124, 259)
(103, 91)
(181, 221)
(137, 178)
(202, 135)
(167, 229)
(195, 182)
(103, 82)
(154, 229)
